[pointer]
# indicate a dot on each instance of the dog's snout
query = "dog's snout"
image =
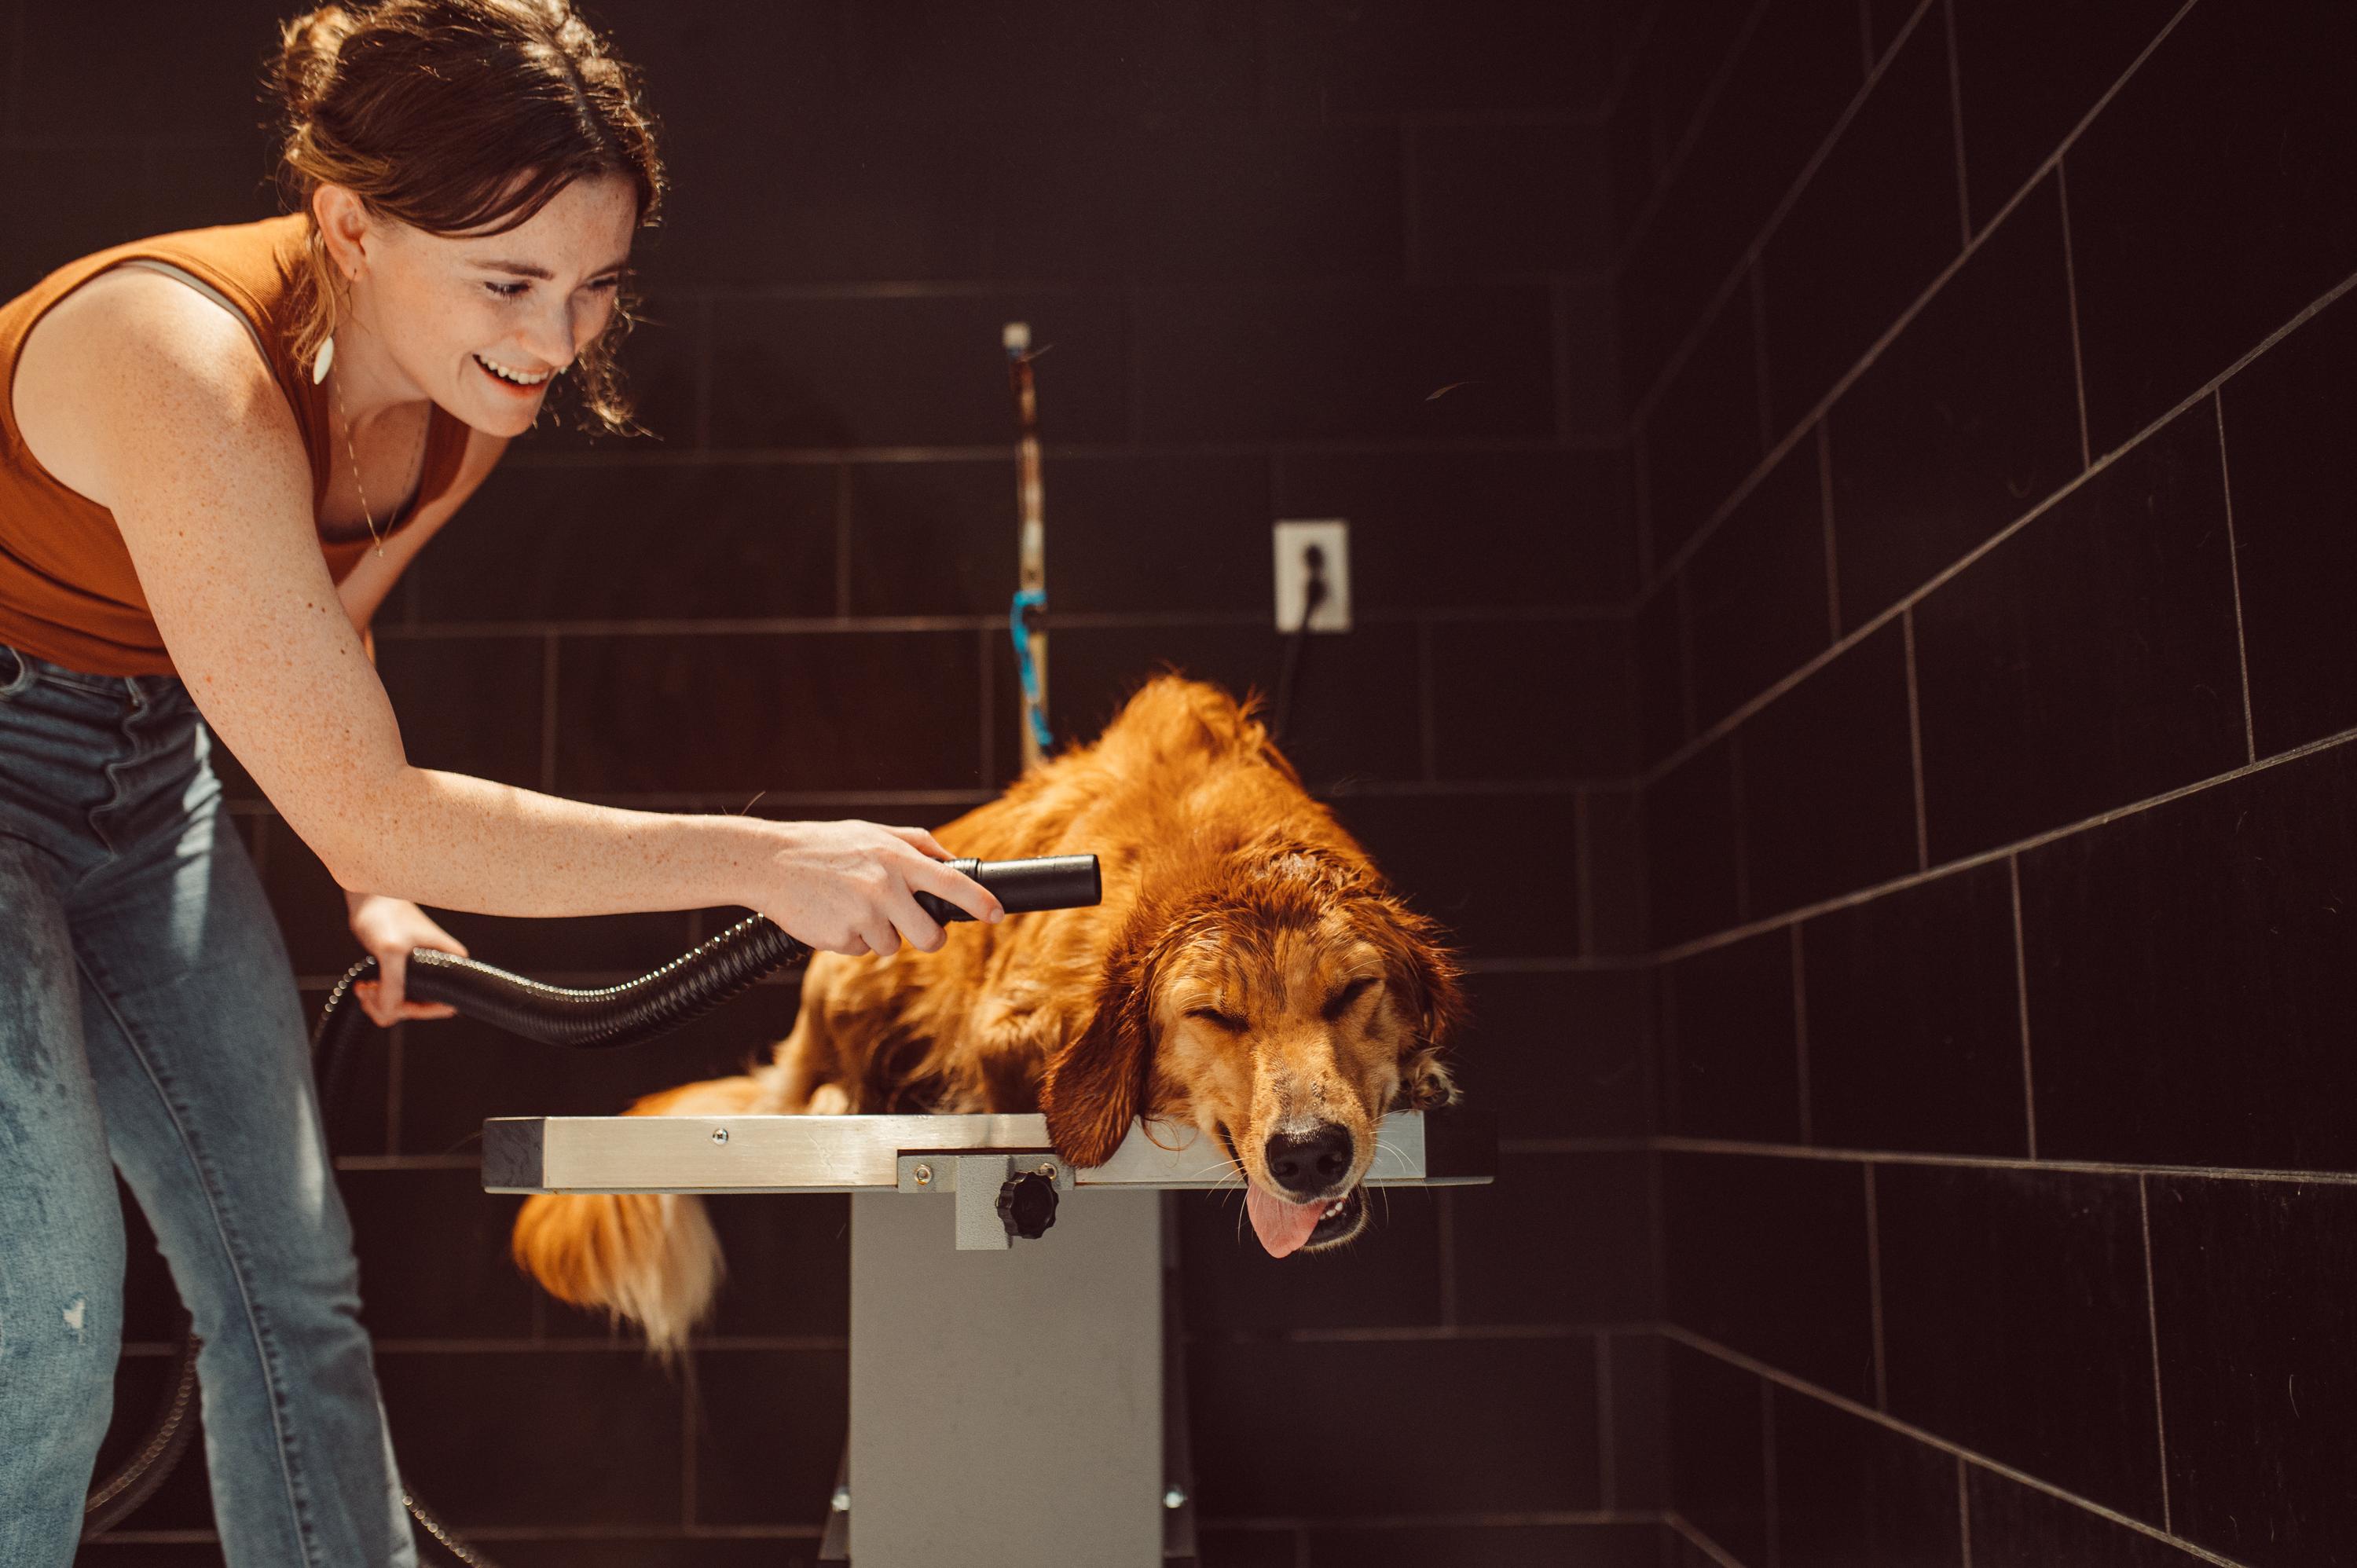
(1309, 1164)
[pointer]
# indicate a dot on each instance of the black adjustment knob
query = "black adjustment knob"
(1026, 1205)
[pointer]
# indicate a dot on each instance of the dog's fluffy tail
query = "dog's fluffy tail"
(650, 1257)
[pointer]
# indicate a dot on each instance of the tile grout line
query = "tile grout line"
(1640, 224)
(1681, 1143)
(1801, 1030)
(1964, 1510)
(1694, 1538)
(1915, 743)
(1956, 121)
(2021, 1004)
(987, 701)
(1988, 857)
(1751, 253)
(1891, 333)
(2152, 1330)
(1873, 1289)
(2070, 300)
(1758, 1367)
(1825, 510)
(2234, 576)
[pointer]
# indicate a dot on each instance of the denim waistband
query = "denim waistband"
(19, 668)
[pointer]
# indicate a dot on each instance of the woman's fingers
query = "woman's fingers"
(958, 889)
(920, 929)
(923, 841)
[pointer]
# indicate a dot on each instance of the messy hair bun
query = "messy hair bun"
(457, 117)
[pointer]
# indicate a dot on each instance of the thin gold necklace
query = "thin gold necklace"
(355, 457)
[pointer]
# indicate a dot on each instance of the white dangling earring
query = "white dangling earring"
(327, 358)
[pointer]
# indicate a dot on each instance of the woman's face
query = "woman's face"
(481, 324)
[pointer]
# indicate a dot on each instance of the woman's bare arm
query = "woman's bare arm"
(186, 437)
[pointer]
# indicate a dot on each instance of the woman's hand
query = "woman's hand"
(850, 887)
(389, 928)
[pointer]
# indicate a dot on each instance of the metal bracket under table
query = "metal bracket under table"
(1014, 1403)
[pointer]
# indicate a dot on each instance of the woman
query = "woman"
(218, 451)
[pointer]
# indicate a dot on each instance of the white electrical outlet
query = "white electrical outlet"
(1330, 536)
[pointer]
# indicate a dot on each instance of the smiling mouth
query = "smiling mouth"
(512, 380)
(1286, 1227)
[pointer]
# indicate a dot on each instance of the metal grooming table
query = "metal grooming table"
(1014, 1402)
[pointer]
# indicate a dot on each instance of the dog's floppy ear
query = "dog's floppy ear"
(1428, 983)
(1095, 1085)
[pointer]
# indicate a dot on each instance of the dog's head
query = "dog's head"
(1282, 1003)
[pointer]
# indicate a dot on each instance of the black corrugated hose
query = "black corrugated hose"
(603, 1017)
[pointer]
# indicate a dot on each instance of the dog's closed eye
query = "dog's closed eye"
(1218, 1020)
(1340, 1002)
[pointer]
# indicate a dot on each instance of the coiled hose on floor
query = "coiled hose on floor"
(603, 1017)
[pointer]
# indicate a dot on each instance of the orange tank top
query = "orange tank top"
(68, 592)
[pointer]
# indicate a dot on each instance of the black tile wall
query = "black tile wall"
(1696, 451)
(1558, 1238)
(769, 1430)
(1337, 362)
(1914, 1020)
(1488, 676)
(2028, 72)
(2090, 659)
(2205, 209)
(1461, 529)
(1231, 1286)
(1718, 1451)
(1791, 75)
(1768, 1257)
(1502, 1425)
(2248, 1377)
(2015, 1526)
(616, 541)
(1731, 1059)
(1964, 423)
(1509, 198)
(2294, 560)
(1756, 591)
(1825, 781)
(1874, 225)
(1849, 1490)
(1998, 1282)
(1598, 1545)
(1560, 1055)
(2183, 960)
(2204, 1031)
(1690, 847)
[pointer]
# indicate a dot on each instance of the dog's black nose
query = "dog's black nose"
(1311, 1164)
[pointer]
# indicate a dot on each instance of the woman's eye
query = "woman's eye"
(507, 290)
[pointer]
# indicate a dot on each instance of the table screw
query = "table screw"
(1174, 1497)
(1048, 1170)
(841, 1501)
(720, 1134)
(924, 1175)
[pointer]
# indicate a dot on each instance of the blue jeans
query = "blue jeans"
(149, 1021)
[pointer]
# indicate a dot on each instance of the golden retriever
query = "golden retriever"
(1249, 973)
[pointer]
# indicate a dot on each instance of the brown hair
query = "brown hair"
(459, 116)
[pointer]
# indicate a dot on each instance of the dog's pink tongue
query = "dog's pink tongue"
(1282, 1227)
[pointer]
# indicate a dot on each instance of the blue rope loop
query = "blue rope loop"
(1027, 601)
